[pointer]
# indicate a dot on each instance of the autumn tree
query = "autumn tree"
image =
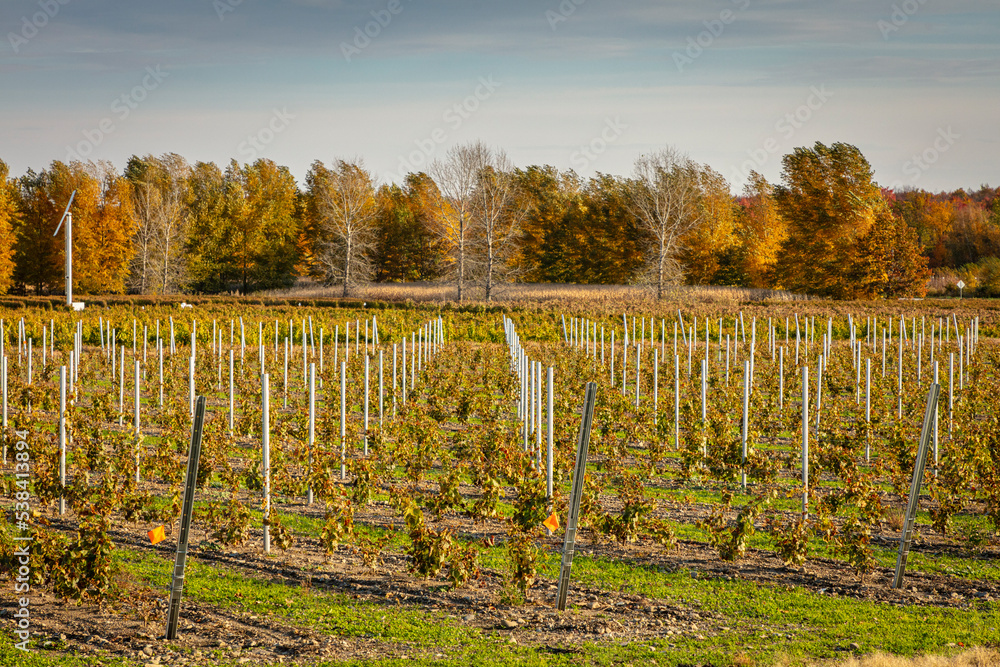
(347, 216)
(665, 196)
(38, 255)
(610, 244)
(760, 233)
(889, 262)
(577, 231)
(703, 248)
(8, 216)
(160, 193)
(830, 202)
(103, 248)
(548, 196)
(407, 247)
(103, 225)
(244, 227)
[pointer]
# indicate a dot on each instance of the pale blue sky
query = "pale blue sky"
(583, 84)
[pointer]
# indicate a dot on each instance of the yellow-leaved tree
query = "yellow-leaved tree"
(8, 214)
(703, 248)
(761, 231)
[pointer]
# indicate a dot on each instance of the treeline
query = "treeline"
(163, 225)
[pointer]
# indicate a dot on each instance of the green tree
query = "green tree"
(244, 227)
(407, 248)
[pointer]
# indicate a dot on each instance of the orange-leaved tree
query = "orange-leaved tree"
(830, 202)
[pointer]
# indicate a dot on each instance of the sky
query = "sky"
(588, 85)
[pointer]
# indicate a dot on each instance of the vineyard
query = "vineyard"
(374, 483)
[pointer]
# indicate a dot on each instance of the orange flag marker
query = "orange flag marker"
(552, 523)
(157, 535)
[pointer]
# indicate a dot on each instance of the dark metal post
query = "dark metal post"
(190, 481)
(906, 536)
(583, 444)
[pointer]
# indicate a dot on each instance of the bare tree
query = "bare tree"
(498, 210)
(664, 194)
(457, 176)
(145, 201)
(479, 212)
(160, 192)
(348, 213)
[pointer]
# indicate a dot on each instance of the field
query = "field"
(424, 539)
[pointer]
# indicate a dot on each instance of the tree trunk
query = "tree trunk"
(461, 258)
(489, 272)
(659, 277)
(166, 264)
(347, 266)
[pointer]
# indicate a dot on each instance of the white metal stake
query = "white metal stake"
(548, 434)
(135, 419)
(265, 441)
(311, 443)
(781, 378)
(366, 392)
(677, 401)
(935, 424)
(656, 385)
(62, 431)
(704, 395)
(159, 350)
(538, 413)
(232, 403)
(343, 420)
(638, 359)
(190, 381)
(805, 441)
(868, 406)
(746, 420)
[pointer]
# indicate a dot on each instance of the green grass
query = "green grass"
(766, 623)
